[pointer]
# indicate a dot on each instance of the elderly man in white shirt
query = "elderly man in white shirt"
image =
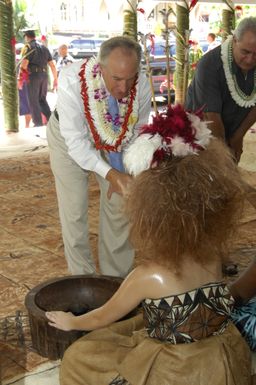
(101, 104)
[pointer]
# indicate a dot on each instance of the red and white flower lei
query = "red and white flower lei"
(95, 100)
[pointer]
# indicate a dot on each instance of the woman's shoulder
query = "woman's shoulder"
(155, 280)
(152, 270)
(160, 281)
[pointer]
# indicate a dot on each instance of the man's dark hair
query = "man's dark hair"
(212, 35)
(30, 34)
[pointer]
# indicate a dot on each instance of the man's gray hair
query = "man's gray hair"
(123, 42)
(245, 25)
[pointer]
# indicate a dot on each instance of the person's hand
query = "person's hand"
(20, 84)
(118, 181)
(60, 320)
(236, 145)
(55, 84)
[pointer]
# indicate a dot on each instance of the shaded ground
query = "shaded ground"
(31, 251)
(31, 248)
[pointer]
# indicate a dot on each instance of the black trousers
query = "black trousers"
(37, 91)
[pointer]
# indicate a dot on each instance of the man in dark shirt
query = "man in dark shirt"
(225, 86)
(33, 68)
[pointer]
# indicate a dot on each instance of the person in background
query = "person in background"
(33, 68)
(101, 104)
(195, 54)
(244, 287)
(184, 334)
(24, 109)
(211, 38)
(224, 87)
(64, 58)
(243, 290)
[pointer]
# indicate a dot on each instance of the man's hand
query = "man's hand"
(20, 84)
(236, 145)
(55, 84)
(118, 181)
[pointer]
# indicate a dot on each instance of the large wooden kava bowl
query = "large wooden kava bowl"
(78, 294)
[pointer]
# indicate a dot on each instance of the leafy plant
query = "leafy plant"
(19, 18)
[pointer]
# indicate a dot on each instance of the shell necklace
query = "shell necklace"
(237, 94)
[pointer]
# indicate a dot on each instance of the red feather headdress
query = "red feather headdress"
(175, 132)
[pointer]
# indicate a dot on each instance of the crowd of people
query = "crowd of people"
(171, 198)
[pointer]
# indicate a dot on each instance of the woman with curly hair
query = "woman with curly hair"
(183, 206)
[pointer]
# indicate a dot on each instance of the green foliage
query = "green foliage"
(130, 24)
(19, 18)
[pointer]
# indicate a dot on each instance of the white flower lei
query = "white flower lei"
(98, 106)
(237, 94)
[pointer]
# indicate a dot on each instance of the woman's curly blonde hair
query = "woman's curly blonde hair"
(186, 206)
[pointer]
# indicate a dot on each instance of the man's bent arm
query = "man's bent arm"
(215, 124)
(236, 141)
(246, 123)
(54, 73)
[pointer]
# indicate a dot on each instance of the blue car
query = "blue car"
(81, 48)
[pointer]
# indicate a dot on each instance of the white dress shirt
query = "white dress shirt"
(73, 124)
(213, 45)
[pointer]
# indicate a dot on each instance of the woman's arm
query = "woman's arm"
(131, 292)
(244, 287)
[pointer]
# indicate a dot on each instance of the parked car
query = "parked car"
(159, 78)
(157, 61)
(157, 53)
(81, 48)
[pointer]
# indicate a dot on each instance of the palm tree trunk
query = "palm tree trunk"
(8, 67)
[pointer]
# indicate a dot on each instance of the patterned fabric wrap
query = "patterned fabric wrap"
(187, 317)
(244, 317)
(191, 316)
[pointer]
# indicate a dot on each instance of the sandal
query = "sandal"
(230, 268)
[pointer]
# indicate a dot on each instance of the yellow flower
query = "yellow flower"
(132, 120)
